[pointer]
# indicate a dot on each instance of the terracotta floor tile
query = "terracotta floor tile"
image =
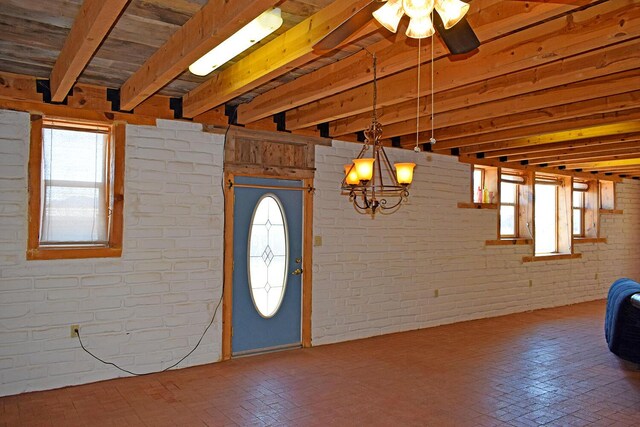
(548, 367)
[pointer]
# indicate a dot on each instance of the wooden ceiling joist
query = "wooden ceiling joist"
(211, 25)
(613, 123)
(579, 32)
(94, 21)
(610, 60)
(633, 161)
(558, 148)
(615, 152)
(288, 51)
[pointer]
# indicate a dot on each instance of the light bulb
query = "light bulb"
(240, 41)
(417, 8)
(389, 15)
(451, 11)
(420, 28)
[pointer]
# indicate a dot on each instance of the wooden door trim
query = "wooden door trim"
(307, 257)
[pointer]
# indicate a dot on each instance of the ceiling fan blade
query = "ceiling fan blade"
(348, 27)
(460, 38)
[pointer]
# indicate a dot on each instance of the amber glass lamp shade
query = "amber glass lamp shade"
(451, 11)
(364, 168)
(404, 173)
(389, 15)
(351, 175)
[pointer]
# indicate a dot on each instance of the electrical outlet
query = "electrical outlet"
(436, 293)
(596, 276)
(530, 283)
(317, 240)
(74, 331)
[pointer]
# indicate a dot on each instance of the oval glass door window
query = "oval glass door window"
(268, 255)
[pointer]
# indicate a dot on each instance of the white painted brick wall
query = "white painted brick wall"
(377, 276)
(371, 277)
(145, 310)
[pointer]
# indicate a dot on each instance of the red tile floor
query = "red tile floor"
(548, 367)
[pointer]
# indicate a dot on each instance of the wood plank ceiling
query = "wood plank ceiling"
(555, 84)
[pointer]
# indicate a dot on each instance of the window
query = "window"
(509, 205)
(546, 218)
(268, 256)
(478, 184)
(75, 189)
(579, 207)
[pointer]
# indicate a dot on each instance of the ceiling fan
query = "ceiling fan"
(456, 32)
(450, 22)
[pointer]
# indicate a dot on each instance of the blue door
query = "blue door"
(267, 265)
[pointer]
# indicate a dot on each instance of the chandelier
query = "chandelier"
(371, 182)
(419, 11)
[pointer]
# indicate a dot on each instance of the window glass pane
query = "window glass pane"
(508, 193)
(546, 218)
(577, 222)
(578, 199)
(268, 256)
(507, 220)
(477, 184)
(74, 199)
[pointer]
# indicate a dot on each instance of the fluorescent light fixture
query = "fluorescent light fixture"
(242, 40)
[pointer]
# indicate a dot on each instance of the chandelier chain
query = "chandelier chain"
(418, 98)
(375, 88)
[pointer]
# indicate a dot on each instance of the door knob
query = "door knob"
(297, 272)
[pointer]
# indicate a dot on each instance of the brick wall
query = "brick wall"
(371, 277)
(377, 276)
(144, 310)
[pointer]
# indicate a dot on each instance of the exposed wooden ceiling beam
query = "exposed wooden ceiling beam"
(290, 50)
(601, 25)
(612, 59)
(617, 122)
(496, 163)
(612, 153)
(599, 88)
(488, 17)
(633, 161)
(538, 151)
(211, 25)
(93, 23)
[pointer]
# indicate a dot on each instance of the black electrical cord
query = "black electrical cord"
(155, 372)
(224, 144)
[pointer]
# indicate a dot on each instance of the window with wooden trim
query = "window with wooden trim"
(553, 215)
(510, 205)
(546, 217)
(579, 207)
(76, 182)
(478, 184)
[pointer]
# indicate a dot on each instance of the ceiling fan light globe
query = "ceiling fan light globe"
(420, 28)
(417, 8)
(451, 11)
(389, 15)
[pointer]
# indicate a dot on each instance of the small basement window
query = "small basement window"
(76, 182)
(579, 192)
(509, 205)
